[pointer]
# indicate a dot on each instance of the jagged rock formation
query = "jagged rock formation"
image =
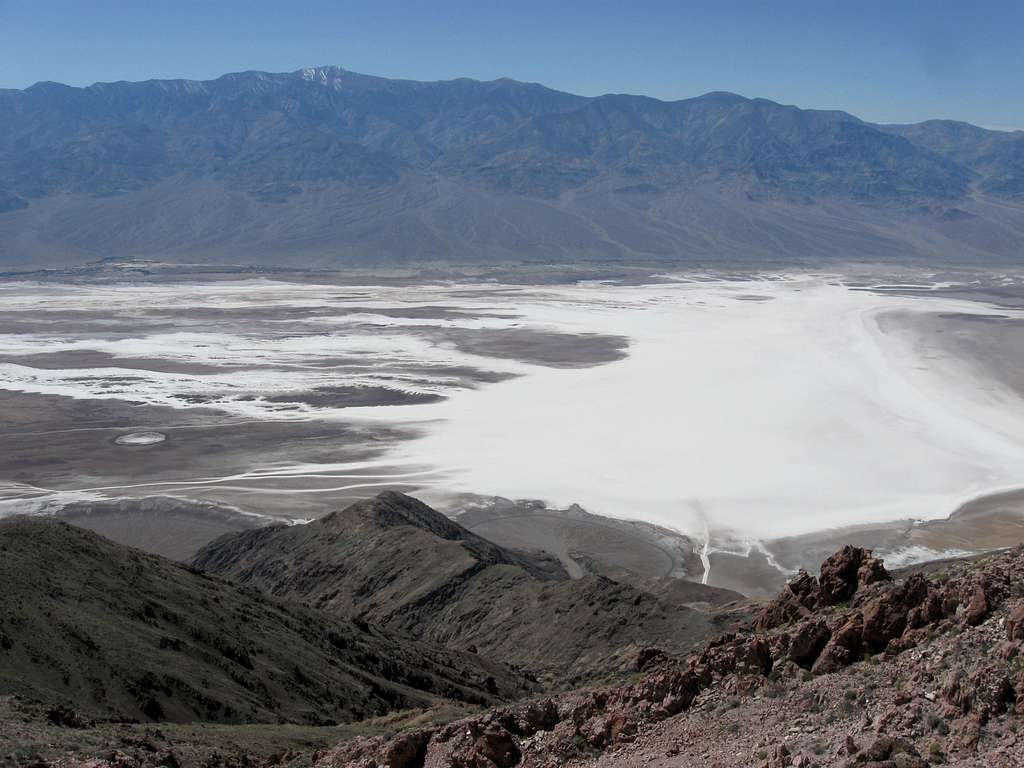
(396, 562)
(842, 575)
(854, 667)
(942, 649)
(113, 633)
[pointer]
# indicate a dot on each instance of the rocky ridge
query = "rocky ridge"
(854, 667)
(105, 633)
(395, 562)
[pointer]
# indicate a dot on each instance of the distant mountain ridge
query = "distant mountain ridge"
(326, 167)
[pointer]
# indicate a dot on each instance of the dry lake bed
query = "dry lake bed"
(748, 422)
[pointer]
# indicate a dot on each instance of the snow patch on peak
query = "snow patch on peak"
(327, 74)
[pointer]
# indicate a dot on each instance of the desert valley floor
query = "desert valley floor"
(745, 422)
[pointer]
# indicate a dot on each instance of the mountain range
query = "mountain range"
(324, 168)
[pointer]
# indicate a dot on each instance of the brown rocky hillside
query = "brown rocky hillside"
(854, 668)
(393, 561)
(106, 632)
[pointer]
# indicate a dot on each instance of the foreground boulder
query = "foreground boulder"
(846, 571)
(841, 576)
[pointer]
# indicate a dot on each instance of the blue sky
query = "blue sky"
(889, 61)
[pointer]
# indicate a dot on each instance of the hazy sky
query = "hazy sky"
(887, 61)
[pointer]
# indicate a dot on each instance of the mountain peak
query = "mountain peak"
(326, 74)
(390, 511)
(722, 97)
(391, 508)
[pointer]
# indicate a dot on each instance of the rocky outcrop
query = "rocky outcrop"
(598, 720)
(808, 641)
(843, 647)
(798, 599)
(846, 571)
(1015, 625)
(901, 673)
(852, 612)
(841, 576)
(977, 606)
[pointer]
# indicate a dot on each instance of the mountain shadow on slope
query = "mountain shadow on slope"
(120, 634)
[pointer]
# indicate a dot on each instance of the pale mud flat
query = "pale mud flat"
(165, 525)
(748, 414)
(749, 422)
(236, 394)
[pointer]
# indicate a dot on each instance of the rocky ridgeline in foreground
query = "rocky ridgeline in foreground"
(854, 667)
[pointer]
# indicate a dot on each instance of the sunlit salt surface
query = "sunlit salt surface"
(141, 438)
(746, 408)
(758, 418)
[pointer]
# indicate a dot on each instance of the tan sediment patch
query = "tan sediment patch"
(56, 443)
(85, 359)
(988, 522)
(171, 527)
(992, 343)
(625, 550)
(527, 345)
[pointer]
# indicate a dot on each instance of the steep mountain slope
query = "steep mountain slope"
(117, 633)
(995, 157)
(325, 167)
(857, 667)
(396, 562)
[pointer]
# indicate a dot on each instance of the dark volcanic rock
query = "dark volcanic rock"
(105, 631)
(886, 616)
(1015, 624)
(842, 575)
(838, 579)
(843, 647)
(395, 561)
(977, 606)
(846, 571)
(808, 640)
(407, 751)
(798, 599)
